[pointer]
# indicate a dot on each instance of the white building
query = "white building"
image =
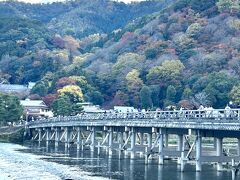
(90, 108)
(35, 109)
(124, 109)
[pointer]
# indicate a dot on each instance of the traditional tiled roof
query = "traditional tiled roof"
(7, 88)
(33, 103)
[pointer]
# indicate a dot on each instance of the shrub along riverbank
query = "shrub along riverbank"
(12, 134)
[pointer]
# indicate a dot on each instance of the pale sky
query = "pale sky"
(46, 1)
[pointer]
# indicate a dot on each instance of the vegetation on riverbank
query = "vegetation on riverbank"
(12, 134)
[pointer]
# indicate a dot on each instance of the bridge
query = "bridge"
(197, 135)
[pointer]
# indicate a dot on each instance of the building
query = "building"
(21, 91)
(124, 109)
(35, 109)
(90, 108)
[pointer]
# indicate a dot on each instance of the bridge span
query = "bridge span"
(198, 134)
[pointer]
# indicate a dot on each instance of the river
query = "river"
(34, 161)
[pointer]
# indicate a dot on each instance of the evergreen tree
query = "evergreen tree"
(62, 106)
(10, 109)
(145, 95)
(171, 93)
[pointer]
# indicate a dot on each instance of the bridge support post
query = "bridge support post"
(57, 136)
(219, 154)
(179, 147)
(110, 141)
(92, 139)
(149, 140)
(198, 152)
(133, 142)
(141, 138)
(238, 147)
(67, 137)
(48, 135)
(160, 147)
(120, 137)
(183, 155)
(215, 143)
(78, 138)
(166, 140)
(39, 135)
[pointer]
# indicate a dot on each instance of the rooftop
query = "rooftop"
(33, 103)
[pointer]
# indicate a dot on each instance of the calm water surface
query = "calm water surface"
(36, 161)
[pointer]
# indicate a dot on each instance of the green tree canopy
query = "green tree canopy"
(169, 71)
(235, 94)
(73, 92)
(62, 106)
(171, 93)
(10, 109)
(228, 5)
(145, 95)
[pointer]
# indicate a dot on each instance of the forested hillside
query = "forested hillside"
(185, 54)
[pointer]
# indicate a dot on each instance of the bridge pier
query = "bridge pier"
(141, 138)
(219, 153)
(110, 141)
(78, 137)
(198, 152)
(57, 136)
(238, 148)
(67, 137)
(182, 154)
(48, 135)
(133, 142)
(160, 145)
(166, 140)
(92, 145)
(39, 134)
(179, 146)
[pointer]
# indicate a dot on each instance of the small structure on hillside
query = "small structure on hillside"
(35, 109)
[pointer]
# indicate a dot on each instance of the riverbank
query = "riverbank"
(13, 134)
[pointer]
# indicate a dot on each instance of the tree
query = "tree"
(62, 106)
(201, 98)
(126, 62)
(235, 94)
(10, 109)
(228, 5)
(168, 72)
(64, 81)
(95, 97)
(145, 95)
(134, 83)
(171, 93)
(217, 87)
(76, 109)
(73, 92)
(155, 95)
(40, 89)
(151, 53)
(187, 93)
(120, 99)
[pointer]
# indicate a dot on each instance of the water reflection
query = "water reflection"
(114, 167)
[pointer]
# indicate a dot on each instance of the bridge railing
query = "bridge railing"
(231, 115)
